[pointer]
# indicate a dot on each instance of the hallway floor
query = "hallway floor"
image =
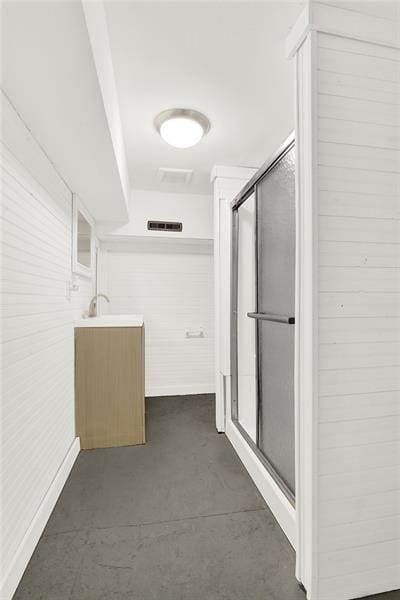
(176, 519)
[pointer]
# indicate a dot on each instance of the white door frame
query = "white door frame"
(228, 181)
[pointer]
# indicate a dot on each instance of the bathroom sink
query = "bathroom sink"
(111, 321)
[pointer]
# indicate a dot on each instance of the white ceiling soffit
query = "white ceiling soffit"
(50, 77)
(98, 35)
(225, 59)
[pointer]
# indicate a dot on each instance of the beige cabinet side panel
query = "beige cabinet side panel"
(110, 386)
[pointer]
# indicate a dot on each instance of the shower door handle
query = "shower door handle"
(271, 317)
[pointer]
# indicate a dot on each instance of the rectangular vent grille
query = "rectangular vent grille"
(175, 176)
(164, 226)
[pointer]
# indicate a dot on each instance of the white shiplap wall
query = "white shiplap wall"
(359, 334)
(173, 289)
(37, 343)
(349, 142)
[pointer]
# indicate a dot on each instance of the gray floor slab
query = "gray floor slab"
(223, 557)
(176, 519)
(186, 469)
(53, 567)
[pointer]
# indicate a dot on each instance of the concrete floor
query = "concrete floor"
(176, 519)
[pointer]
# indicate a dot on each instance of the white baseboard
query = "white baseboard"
(280, 506)
(181, 390)
(26, 548)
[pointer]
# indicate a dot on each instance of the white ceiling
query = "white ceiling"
(225, 59)
(50, 77)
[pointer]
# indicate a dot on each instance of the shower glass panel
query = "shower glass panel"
(263, 306)
(276, 236)
(246, 328)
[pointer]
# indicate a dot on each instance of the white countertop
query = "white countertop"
(111, 321)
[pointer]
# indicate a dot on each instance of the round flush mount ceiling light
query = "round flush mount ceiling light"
(182, 127)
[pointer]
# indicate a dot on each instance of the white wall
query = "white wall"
(195, 211)
(359, 334)
(349, 161)
(80, 299)
(38, 444)
(172, 286)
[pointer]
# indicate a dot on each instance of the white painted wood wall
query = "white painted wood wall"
(348, 102)
(38, 444)
(171, 284)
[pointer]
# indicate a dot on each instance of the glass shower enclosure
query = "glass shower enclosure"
(263, 322)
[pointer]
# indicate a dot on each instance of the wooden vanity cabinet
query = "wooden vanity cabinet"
(109, 386)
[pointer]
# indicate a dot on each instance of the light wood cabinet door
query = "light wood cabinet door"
(109, 386)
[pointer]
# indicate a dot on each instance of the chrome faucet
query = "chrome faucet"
(93, 304)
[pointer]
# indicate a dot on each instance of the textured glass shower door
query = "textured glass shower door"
(276, 241)
(263, 306)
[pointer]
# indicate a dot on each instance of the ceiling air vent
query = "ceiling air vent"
(164, 226)
(175, 176)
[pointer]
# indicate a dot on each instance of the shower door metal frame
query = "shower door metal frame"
(244, 194)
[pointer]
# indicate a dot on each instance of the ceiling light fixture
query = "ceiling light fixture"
(182, 127)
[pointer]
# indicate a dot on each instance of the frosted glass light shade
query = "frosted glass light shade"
(182, 128)
(181, 132)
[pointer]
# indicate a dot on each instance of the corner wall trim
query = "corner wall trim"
(35, 530)
(332, 20)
